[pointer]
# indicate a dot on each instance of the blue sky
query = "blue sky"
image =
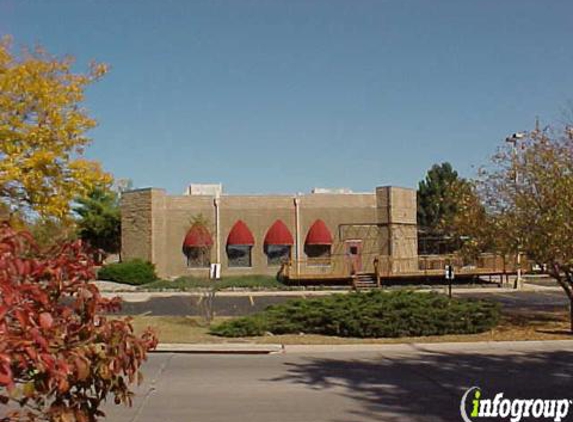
(282, 96)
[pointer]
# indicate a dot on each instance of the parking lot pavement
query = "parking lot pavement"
(188, 305)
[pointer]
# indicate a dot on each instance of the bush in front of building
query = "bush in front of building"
(374, 314)
(135, 272)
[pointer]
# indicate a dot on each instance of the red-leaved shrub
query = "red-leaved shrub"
(60, 356)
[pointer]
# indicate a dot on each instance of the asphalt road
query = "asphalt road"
(401, 383)
(245, 305)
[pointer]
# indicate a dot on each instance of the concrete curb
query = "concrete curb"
(460, 347)
(146, 296)
(220, 348)
(266, 349)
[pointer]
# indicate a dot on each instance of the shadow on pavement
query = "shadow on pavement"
(429, 386)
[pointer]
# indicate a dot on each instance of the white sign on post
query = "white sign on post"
(449, 273)
(215, 272)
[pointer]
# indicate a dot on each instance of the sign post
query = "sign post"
(449, 274)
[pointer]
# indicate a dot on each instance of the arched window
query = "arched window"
(278, 243)
(318, 244)
(197, 246)
(239, 245)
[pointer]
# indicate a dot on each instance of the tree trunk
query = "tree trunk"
(569, 283)
(565, 282)
(571, 313)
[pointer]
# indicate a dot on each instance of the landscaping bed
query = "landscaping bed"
(141, 273)
(513, 326)
(368, 315)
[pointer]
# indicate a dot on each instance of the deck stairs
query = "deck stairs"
(364, 281)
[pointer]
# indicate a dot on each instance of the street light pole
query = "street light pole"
(513, 141)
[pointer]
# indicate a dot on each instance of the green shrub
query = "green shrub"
(372, 314)
(135, 272)
(242, 327)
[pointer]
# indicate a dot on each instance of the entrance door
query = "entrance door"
(353, 251)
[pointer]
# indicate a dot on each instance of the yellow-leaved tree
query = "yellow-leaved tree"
(524, 200)
(43, 132)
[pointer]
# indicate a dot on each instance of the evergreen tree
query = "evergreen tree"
(436, 199)
(99, 222)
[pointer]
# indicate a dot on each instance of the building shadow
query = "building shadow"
(428, 386)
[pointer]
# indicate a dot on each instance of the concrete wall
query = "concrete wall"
(397, 208)
(154, 225)
(136, 227)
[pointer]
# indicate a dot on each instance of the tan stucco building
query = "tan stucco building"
(330, 233)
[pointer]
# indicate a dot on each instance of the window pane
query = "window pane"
(317, 254)
(198, 257)
(317, 251)
(277, 254)
(239, 255)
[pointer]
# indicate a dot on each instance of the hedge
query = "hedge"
(369, 315)
(134, 272)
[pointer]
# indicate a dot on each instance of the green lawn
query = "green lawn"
(253, 282)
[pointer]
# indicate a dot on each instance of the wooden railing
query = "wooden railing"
(315, 267)
(384, 266)
(435, 264)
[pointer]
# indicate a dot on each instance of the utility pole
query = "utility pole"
(513, 141)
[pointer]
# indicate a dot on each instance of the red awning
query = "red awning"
(198, 237)
(318, 234)
(240, 235)
(279, 234)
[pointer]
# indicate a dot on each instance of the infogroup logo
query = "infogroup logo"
(473, 407)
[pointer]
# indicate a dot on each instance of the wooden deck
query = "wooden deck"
(418, 276)
(430, 268)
